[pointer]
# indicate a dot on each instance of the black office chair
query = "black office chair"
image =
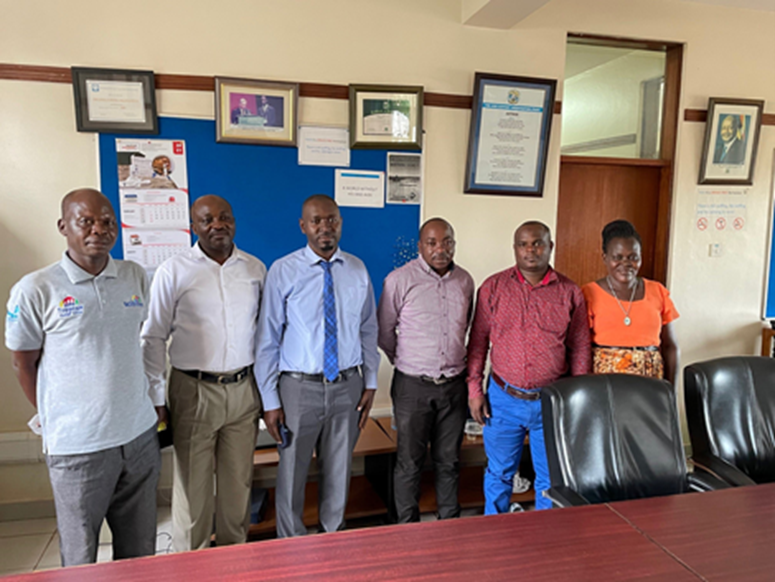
(730, 408)
(611, 437)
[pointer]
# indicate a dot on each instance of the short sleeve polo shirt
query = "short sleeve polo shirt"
(91, 388)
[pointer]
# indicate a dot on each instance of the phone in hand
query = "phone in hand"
(285, 436)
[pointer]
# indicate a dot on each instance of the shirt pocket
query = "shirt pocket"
(354, 299)
(552, 317)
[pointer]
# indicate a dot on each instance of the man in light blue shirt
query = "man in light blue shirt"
(316, 364)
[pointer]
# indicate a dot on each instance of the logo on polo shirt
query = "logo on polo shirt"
(12, 316)
(69, 307)
(135, 301)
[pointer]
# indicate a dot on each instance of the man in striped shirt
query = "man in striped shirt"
(424, 312)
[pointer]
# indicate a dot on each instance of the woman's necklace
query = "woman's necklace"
(627, 320)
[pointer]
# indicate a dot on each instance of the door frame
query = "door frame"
(670, 118)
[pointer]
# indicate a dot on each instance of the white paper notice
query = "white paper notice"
(153, 196)
(721, 209)
(360, 188)
(150, 248)
(324, 146)
(119, 101)
(510, 136)
(404, 178)
(154, 209)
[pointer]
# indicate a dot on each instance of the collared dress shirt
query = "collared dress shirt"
(209, 310)
(92, 394)
(538, 334)
(423, 319)
(291, 324)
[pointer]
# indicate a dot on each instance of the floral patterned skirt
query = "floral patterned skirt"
(641, 361)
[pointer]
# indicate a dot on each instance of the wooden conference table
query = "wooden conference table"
(722, 535)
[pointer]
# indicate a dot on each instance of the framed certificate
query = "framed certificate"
(509, 137)
(256, 112)
(114, 100)
(386, 116)
(731, 140)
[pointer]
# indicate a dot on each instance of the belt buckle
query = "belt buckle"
(222, 379)
(440, 380)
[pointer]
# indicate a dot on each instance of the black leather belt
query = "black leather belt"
(534, 394)
(341, 377)
(218, 378)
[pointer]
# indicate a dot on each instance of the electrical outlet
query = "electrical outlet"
(714, 250)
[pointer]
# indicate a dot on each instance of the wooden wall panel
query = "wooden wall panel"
(590, 196)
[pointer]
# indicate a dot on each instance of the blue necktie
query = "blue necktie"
(330, 351)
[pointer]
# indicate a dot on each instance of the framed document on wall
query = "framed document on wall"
(114, 100)
(731, 140)
(509, 137)
(386, 116)
(256, 112)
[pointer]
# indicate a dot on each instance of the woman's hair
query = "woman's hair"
(619, 229)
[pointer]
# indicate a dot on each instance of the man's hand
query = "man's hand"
(161, 412)
(364, 407)
(273, 419)
(479, 409)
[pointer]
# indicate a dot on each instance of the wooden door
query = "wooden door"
(595, 191)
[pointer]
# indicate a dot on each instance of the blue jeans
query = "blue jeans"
(504, 435)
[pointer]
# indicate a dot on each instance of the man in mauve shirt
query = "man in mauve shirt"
(423, 315)
(534, 320)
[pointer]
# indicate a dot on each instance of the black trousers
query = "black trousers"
(428, 413)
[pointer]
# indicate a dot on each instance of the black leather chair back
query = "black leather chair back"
(611, 437)
(730, 408)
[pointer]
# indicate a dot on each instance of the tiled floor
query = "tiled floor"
(33, 544)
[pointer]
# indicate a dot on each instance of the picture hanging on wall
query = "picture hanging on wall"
(508, 140)
(114, 100)
(256, 112)
(731, 140)
(386, 116)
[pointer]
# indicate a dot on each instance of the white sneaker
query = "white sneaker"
(521, 485)
(516, 508)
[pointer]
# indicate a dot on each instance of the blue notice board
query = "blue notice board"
(266, 187)
(769, 289)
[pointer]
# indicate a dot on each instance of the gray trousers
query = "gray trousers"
(428, 413)
(117, 484)
(323, 418)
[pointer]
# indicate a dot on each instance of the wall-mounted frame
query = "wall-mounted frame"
(508, 141)
(731, 140)
(386, 116)
(114, 100)
(256, 112)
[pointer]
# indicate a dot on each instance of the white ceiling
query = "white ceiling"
(505, 14)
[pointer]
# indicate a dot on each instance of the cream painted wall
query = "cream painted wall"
(402, 41)
(606, 101)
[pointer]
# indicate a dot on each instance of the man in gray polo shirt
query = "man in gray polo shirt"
(74, 330)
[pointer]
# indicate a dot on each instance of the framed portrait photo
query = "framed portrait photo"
(256, 112)
(508, 140)
(731, 140)
(114, 100)
(386, 116)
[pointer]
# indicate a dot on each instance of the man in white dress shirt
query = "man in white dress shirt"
(207, 300)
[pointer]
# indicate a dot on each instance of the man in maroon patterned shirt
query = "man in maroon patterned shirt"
(534, 321)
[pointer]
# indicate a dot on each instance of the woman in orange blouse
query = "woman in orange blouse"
(630, 317)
